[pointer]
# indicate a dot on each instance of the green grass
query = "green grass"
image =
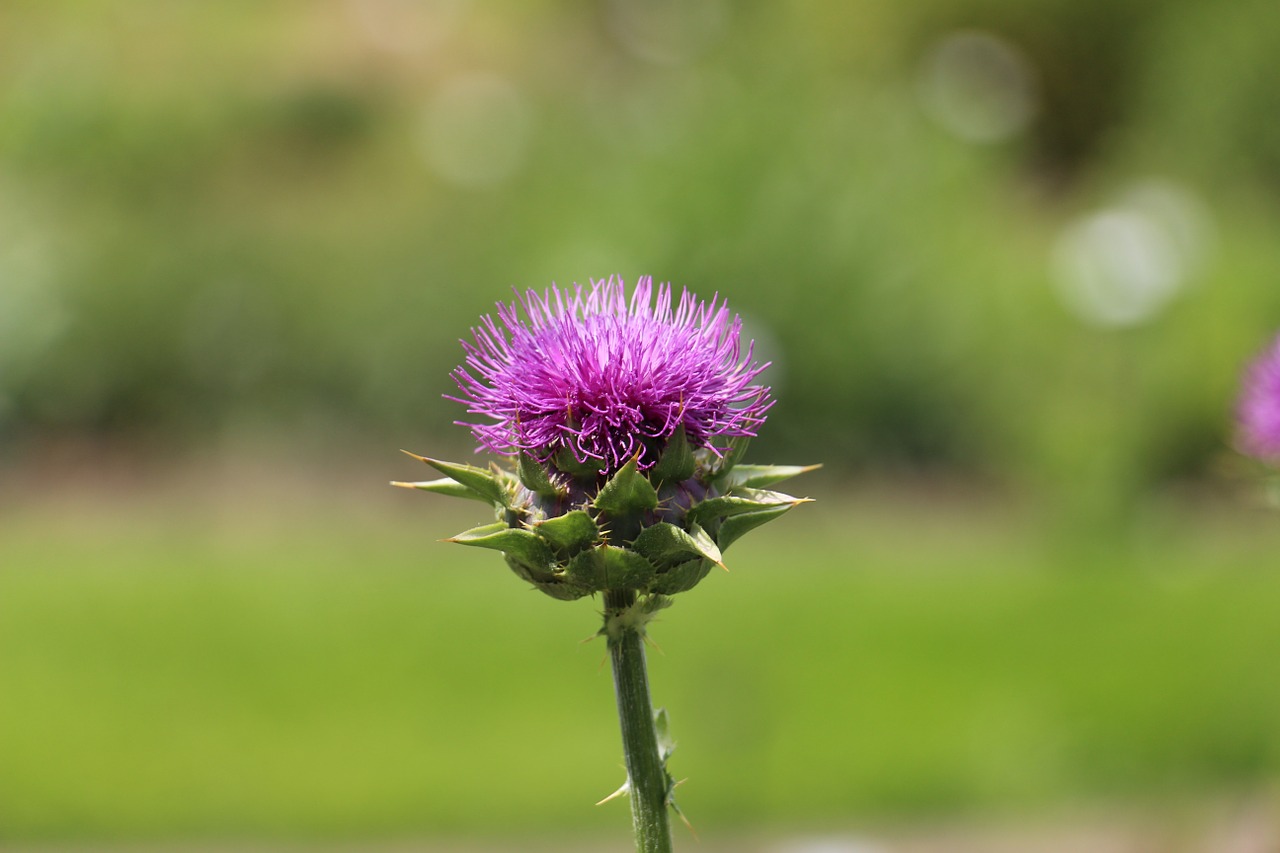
(280, 662)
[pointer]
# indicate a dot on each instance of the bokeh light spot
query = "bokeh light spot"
(1116, 268)
(978, 86)
(1121, 266)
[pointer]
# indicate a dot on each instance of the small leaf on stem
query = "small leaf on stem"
(741, 500)
(677, 462)
(733, 527)
(666, 544)
(445, 486)
(570, 532)
(627, 492)
(488, 482)
(760, 476)
(513, 541)
(536, 479)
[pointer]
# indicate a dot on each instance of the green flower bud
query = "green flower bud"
(571, 531)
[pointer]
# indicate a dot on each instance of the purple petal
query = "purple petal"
(606, 377)
(1258, 410)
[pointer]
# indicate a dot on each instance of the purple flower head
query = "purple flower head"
(1258, 411)
(588, 372)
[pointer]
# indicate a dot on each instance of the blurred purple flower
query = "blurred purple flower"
(586, 371)
(1258, 411)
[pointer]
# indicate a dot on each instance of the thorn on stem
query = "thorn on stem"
(625, 789)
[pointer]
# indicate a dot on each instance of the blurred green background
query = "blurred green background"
(1007, 258)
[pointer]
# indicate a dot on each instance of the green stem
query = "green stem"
(646, 776)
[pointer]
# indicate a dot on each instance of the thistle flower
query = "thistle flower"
(593, 376)
(627, 421)
(1258, 409)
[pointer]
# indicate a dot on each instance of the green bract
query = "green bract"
(571, 531)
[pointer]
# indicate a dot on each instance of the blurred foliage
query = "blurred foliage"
(285, 214)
